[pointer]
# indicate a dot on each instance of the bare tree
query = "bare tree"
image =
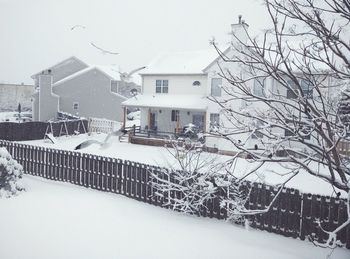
(288, 84)
(189, 181)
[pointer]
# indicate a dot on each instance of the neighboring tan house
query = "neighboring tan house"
(74, 87)
(13, 94)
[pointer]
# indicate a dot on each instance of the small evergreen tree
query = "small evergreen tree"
(19, 109)
(10, 173)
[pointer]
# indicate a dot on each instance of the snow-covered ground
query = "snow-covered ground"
(60, 220)
(13, 116)
(160, 156)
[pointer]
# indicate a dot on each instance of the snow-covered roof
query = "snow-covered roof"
(181, 102)
(185, 62)
(61, 63)
(109, 71)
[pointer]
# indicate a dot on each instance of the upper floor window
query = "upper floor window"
(75, 106)
(162, 86)
(216, 84)
(114, 86)
(306, 88)
(258, 87)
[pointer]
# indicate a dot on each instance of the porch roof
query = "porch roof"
(179, 102)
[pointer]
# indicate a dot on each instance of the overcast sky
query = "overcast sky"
(36, 34)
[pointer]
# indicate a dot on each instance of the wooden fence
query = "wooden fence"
(293, 214)
(14, 131)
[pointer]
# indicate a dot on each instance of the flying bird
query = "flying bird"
(103, 50)
(124, 76)
(77, 26)
(86, 143)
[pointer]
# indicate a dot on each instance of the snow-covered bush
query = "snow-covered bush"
(10, 173)
(197, 178)
(188, 183)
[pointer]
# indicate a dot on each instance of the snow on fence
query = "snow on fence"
(293, 215)
(103, 125)
(14, 131)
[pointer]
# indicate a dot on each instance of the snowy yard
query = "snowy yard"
(13, 116)
(160, 156)
(59, 220)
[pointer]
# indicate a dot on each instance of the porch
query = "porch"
(164, 116)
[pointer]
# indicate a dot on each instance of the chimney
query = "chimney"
(239, 31)
(45, 82)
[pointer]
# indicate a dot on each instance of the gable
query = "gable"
(64, 68)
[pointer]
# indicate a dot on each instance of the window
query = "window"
(306, 88)
(214, 121)
(291, 92)
(114, 86)
(196, 83)
(288, 133)
(75, 106)
(162, 86)
(258, 87)
(174, 115)
(216, 86)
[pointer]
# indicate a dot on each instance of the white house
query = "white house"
(177, 88)
(74, 87)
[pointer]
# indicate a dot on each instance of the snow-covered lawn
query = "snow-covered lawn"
(160, 156)
(60, 220)
(13, 116)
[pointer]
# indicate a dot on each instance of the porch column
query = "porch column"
(149, 118)
(205, 122)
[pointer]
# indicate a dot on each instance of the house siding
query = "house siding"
(92, 90)
(178, 84)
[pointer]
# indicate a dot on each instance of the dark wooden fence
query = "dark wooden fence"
(294, 214)
(14, 131)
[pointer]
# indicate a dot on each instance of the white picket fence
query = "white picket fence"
(103, 125)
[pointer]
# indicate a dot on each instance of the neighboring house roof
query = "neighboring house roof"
(186, 62)
(108, 71)
(190, 102)
(61, 63)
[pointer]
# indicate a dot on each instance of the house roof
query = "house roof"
(63, 62)
(185, 62)
(108, 71)
(181, 102)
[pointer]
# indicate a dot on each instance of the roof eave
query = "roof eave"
(71, 57)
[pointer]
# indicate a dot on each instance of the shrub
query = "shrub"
(10, 173)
